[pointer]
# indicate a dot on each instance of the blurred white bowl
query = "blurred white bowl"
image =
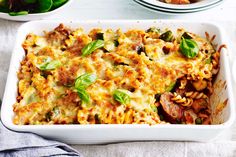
(34, 16)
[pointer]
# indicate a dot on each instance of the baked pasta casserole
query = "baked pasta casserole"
(153, 76)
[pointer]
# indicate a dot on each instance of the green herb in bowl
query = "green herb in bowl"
(24, 7)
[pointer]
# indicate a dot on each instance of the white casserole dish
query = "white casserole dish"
(91, 134)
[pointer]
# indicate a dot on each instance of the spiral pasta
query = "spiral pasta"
(196, 95)
(186, 102)
(107, 76)
(183, 83)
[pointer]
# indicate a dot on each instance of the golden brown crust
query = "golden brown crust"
(141, 65)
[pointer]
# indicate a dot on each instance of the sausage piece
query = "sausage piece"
(190, 117)
(199, 104)
(172, 112)
(200, 85)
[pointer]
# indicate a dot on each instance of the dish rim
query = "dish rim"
(172, 11)
(177, 9)
(9, 124)
(201, 3)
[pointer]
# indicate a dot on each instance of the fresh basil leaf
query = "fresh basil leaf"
(81, 83)
(30, 1)
(50, 65)
(44, 5)
(58, 3)
(85, 80)
(188, 48)
(18, 13)
(121, 97)
(89, 48)
(84, 96)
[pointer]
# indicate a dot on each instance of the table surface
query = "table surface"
(224, 14)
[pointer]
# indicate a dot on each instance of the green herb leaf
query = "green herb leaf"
(18, 13)
(167, 36)
(44, 5)
(189, 48)
(58, 3)
(50, 65)
(30, 1)
(81, 83)
(84, 96)
(85, 80)
(89, 48)
(121, 97)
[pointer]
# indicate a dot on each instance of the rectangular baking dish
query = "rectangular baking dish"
(100, 133)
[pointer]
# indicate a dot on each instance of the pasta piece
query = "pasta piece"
(69, 76)
(183, 83)
(195, 95)
(186, 102)
(215, 63)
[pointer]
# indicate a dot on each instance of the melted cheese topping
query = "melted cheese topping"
(49, 97)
